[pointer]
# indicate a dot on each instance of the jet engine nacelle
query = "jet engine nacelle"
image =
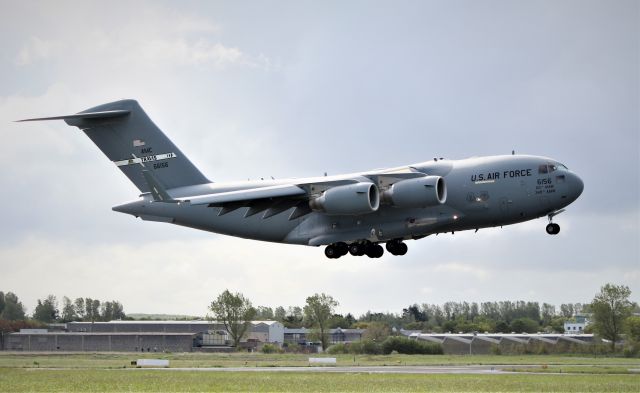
(351, 199)
(419, 192)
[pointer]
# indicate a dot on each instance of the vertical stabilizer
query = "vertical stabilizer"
(126, 135)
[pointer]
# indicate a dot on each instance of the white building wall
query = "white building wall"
(574, 328)
(276, 333)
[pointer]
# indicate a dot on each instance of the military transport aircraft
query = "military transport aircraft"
(352, 213)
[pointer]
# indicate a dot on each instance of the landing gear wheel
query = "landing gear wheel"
(332, 252)
(397, 247)
(374, 251)
(356, 249)
(553, 229)
(402, 249)
(342, 248)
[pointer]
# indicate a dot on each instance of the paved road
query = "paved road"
(351, 369)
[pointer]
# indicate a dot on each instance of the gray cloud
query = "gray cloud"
(306, 88)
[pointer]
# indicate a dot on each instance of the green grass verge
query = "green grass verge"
(596, 369)
(29, 380)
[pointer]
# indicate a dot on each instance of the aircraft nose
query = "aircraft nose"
(577, 186)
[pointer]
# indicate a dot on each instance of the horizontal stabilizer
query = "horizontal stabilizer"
(86, 115)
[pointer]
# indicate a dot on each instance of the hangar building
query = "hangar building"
(138, 336)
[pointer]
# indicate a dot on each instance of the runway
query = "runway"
(351, 369)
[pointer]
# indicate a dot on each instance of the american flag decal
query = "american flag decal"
(138, 142)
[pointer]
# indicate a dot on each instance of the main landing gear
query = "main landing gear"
(397, 247)
(372, 250)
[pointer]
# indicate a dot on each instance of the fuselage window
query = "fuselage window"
(542, 168)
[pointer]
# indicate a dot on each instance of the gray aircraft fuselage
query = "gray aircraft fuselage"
(351, 213)
(481, 192)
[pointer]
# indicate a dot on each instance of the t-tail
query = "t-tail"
(128, 137)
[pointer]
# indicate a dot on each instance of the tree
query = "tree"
(118, 310)
(293, 317)
(524, 325)
(13, 308)
(557, 324)
(609, 309)
(280, 314)
(264, 313)
(376, 331)
(88, 310)
(632, 325)
(46, 310)
(68, 310)
(106, 311)
(1, 302)
(318, 311)
(95, 310)
(236, 312)
(81, 311)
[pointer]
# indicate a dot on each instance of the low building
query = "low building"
(577, 326)
(486, 343)
(261, 331)
(143, 336)
(304, 336)
(98, 342)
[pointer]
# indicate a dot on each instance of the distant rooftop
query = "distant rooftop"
(170, 322)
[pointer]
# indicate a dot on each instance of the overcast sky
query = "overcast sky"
(283, 89)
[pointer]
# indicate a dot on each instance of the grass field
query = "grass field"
(112, 372)
(39, 380)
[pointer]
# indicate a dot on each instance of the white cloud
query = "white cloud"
(463, 269)
(336, 106)
(37, 49)
(165, 42)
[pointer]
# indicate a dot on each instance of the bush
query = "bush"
(630, 351)
(371, 347)
(356, 348)
(270, 348)
(367, 347)
(337, 349)
(410, 347)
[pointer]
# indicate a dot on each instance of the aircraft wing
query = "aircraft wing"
(278, 198)
(296, 191)
(271, 192)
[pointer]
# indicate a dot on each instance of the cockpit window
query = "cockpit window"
(552, 168)
(542, 168)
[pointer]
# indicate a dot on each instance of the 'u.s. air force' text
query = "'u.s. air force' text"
(497, 175)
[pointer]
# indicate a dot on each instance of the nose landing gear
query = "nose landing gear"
(553, 229)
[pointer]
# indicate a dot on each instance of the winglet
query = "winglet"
(158, 192)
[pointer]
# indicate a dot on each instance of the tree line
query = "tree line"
(503, 317)
(611, 312)
(47, 311)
